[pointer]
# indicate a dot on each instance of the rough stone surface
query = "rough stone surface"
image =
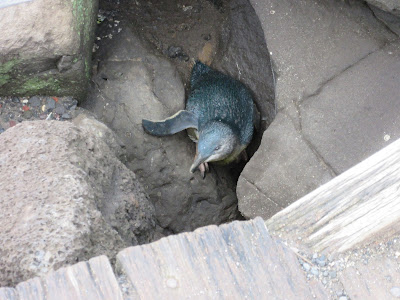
(391, 6)
(282, 172)
(392, 21)
(327, 55)
(242, 30)
(364, 100)
(65, 197)
(131, 84)
(46, 46)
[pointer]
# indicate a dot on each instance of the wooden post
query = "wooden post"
(349, 210)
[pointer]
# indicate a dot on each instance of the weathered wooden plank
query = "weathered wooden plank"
(8, 294)
(72, 282)
(104, 278)
(350, 209)
(163, 268)
(81, 282)
(372, 281)
(234, 261)
(31, 289)
(269, 263)
(85, 280)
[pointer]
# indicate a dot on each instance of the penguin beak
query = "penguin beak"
(198, 160)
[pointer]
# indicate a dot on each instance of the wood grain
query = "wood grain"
(371, 281)
(92, 280)
(234, 261)
(31, 289)
(354, 207)
(8, 294)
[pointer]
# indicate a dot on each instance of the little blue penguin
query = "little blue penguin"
(219, 117)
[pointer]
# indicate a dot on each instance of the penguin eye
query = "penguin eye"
(217, 148)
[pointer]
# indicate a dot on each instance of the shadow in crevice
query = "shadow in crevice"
(226, 35)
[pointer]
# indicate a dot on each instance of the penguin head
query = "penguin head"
(217, 141)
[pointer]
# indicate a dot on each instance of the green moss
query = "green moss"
(36, 84)
(8, 66)
(84, 12)
(5, 70)
(4, 78)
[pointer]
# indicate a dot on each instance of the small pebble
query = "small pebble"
(206, 37)
(34, 101)
(324, 281)
(2, 130)
(11, 115)
(25, 101)
(343, 298)
(60, 109)
(315, 256)
(15, 99)
(42, 116)
(306, 267)
(314, 271)
(50, 103)
(174, 52)
(321, 261)
(27, 114)
(70, 104)
(332, 274)
(66, 116)
(12, 123)
(326, 273)
(395, 291)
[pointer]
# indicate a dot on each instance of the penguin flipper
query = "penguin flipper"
(182, 120)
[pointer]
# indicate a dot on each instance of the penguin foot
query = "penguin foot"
(204, 168)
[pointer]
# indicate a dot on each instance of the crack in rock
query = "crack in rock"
(262, 193)
(323, 84)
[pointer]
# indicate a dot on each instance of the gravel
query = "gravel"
(27, 114)
(34, 101)
(314, 271)
(60, 109)
(18, 109)
(66, 116)
(306, 267)
(50, 104)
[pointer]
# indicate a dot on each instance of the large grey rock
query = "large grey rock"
(313, 41)
(132, 84)
(243, 54)
(282, 173)
(46, 46)
(391, 6)
(356, 114)
(65, 197)
(312, 45)
(392, 21)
